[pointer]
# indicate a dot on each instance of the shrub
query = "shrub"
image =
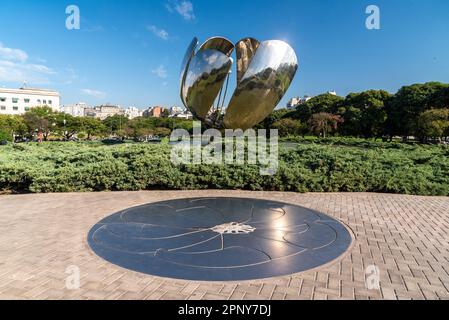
(337, 164)
(4, 136)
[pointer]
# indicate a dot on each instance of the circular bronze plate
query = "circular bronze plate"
(219, 239)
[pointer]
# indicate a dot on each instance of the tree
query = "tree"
(289, 126)
(40, 119)
(139, 128)
(327, 103)
(276, 115)
(433, 124)
(407, 104)
(323, 123)
(181, 124)
(68, 125)
(92, 127)
(116, 124)
(12, 125)
(440, 99)
(165, 113)
(4, 136)
(162, 132)
(364, 113)
(353, 117)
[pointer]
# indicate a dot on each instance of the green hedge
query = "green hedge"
(357, 166)
(4, 136)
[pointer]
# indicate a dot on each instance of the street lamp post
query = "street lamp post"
(65, 131)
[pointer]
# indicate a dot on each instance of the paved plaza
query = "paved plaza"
(43, 239)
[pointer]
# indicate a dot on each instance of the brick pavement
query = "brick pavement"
(406, 237)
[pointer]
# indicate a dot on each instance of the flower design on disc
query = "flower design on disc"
(219, 239)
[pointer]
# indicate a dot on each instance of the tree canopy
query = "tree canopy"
(377, 113)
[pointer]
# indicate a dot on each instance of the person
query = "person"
(40, 137)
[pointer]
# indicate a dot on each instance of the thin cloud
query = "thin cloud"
(94, 93)
(93, 29)
(12, 54)
(161, 72)
(160, 33)
(183, 7)
(72, 75)
(14, 67)
(40, 60)
(90, 26)
(39, 68)
(18, 72)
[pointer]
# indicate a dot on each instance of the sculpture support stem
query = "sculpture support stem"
(226, 92)
(219, 98)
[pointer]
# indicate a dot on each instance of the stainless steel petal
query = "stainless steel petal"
(245, 50)
(185, 62)
(263, 85)
(218, 43)
(206, 74)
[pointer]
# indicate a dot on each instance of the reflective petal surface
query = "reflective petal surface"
(185, 62)
(205, 76)
(262, 86)
(218, 43)
(264, 73)
(245, 50)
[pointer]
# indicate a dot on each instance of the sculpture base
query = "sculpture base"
(219, 239)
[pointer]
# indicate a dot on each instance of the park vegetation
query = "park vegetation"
(60, 126)
(419, 111)
(311, 165)
(360, 143)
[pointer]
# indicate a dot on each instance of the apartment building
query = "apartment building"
(19, 101)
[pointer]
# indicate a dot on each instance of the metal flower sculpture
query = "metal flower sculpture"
(265, 71)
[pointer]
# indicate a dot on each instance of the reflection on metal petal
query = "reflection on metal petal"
(185, 62)
(262, 86)
(219, 43)
(245, 50)
(205, 76)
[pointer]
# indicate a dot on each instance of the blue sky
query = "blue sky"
(129, 52)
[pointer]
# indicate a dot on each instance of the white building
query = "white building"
(334, 93)
(185, 115)
(306, 98)
(76, 110)
(294, 102)
(19, 101)
(133, 112)
(176, 110)
(103, 112)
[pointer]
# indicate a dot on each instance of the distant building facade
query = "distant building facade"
(185, 115)
(305, 99)
(19, 101)
(180, 113)
(295, 102)
(133, 112)
(153, 112)
(75, 110)
(103, 112)
(175, 110)
(81, 109)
